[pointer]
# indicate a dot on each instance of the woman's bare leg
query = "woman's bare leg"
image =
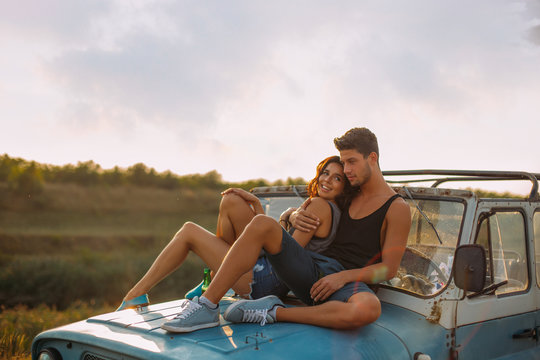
(192, 237)
(234, 215)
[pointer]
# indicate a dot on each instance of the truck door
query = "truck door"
(502, 322)
(536, 231)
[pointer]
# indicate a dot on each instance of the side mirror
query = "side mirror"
(470, 267)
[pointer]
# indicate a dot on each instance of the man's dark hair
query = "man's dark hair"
(359, 139)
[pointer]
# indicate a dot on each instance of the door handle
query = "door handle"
(526, 333)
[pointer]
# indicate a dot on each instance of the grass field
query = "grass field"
(74, 251)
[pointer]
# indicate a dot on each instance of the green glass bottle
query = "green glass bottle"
(206, 279)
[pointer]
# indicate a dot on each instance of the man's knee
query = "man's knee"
(364, 309)
(263, 224)
(267, 230)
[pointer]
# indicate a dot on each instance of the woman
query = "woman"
(238, 207)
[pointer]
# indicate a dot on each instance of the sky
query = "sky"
(259, 89)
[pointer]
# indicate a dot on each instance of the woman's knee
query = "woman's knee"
(188, 227)
(186, 231)
(230, 202)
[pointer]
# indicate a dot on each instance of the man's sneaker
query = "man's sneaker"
(193, 316)
(256, 311)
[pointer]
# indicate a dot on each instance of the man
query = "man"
(368, 247)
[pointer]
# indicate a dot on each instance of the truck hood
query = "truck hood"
(138, 334)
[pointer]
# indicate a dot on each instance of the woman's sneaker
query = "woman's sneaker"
(261, 311)
(193, 316)
(196, 291)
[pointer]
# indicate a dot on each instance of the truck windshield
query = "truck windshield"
(427, 263)
(274, 205)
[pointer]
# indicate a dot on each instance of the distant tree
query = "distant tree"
(168, 180)
(296, 181)
(114, 176)
(30, 176)
(25, 179)
(250, 184)
(6, 164)
(87, 173)
(212, 179)
(139, 174)
(493, 194)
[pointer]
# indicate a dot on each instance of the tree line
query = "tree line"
(28, 177)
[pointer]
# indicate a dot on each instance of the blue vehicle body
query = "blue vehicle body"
(427, 312)
(137, 334)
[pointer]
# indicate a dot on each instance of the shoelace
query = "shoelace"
(188, 308)
(255, 316)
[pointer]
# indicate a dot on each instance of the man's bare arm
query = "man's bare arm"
(397, 231)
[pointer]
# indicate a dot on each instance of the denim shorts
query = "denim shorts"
(299, 269)
(265, 281)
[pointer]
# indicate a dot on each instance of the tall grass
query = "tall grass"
(19, 325)
(72, 252)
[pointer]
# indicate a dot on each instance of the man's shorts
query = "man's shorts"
(299, 269)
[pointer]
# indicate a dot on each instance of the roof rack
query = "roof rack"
(467, 175)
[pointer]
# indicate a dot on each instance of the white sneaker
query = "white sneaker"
(193, 316)
(253, 311)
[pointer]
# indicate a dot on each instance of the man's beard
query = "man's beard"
(364, 179)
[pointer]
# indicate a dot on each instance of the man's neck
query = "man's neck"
(376, 186)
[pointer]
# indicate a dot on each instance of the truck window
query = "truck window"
(427, 263)
(503, 236)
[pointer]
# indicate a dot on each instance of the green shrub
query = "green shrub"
(101, 278)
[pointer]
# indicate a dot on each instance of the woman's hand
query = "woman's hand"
(247, 197)
(304, 220)
(284, 217)
(326, 286)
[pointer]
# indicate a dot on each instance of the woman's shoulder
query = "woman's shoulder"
(319, 205)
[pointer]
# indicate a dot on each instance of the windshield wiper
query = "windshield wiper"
(421, 212)
(490, 290)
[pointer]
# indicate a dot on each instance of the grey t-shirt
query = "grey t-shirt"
(317, 244)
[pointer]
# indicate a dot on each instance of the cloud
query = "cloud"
(182, 62)
(268, 85)
(58, 21)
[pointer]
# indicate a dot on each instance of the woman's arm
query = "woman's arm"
(303, 219)
(284, 218)
(320, 208)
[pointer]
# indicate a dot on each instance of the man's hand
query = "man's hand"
(304, 220)
(326, 286)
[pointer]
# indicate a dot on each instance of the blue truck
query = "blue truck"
(468, 288)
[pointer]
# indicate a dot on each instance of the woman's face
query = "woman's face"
(331, 181)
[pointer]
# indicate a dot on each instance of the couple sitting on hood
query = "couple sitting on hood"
(351, 232)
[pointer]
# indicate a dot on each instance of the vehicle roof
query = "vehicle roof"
(422, 176)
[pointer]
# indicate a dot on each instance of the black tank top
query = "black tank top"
(358, 241)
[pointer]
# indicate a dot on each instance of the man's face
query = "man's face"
(356, 167)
